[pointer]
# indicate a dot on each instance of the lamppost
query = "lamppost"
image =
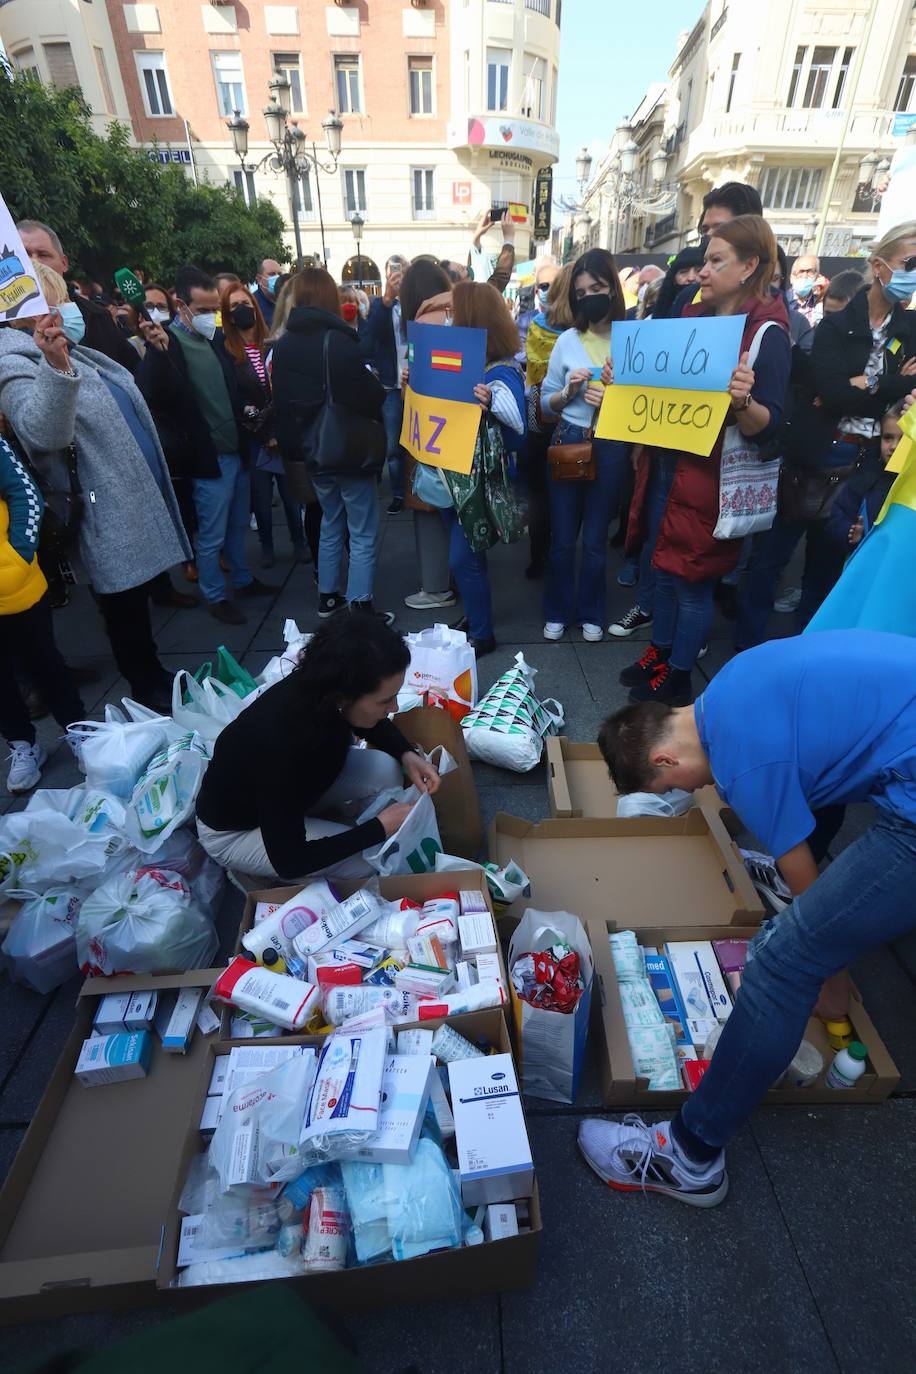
(623, 188)
(356, 224)
(290, 154)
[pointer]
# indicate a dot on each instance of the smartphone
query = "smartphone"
(497, 210)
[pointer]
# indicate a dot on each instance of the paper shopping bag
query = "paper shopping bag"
(551, 1044)
(443, 666)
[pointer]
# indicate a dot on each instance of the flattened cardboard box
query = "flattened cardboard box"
(92, 1193)
(418, 887)
(456, 802)
(578, 785)
(622, 1086)
(683, 870)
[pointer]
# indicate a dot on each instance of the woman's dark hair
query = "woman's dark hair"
(627, 738)
(669, 292)
(599, 263)
(315, 287)
(422, 280)
(348, 657)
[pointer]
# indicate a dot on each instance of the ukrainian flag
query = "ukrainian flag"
(877, 589)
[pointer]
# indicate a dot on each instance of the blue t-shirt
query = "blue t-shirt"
(802, 723)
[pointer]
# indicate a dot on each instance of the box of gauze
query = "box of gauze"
(405, 1093)
(113, 1058)
(494, 1156)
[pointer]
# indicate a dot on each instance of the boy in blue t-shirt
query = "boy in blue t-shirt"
(783, 730)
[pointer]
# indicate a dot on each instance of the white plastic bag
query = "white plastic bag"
(210, 708)
(114, 752)
(506, 883)
(281, 665)
(444, 664)
(412, 848)
(182, 852)
(40, 847)
(40, 946)
(672, 803)
(143, 924)
(164, 796)
(508, 727)
(258, 1136)
(551, 1043)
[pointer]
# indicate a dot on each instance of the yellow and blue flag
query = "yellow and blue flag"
(441, 415)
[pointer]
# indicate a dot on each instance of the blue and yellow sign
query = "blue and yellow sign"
(20, 293)
(441, 415)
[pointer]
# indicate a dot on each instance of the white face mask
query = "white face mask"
(159, 316)
(204, 324)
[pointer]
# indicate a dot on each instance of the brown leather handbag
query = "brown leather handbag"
(573, 462)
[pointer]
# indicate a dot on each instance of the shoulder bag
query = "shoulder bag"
(806, 495)
(338, 441)
(573, 462)
(63, 512)
(748, 475)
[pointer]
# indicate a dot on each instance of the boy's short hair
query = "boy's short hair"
(895, 411)
(627, 738)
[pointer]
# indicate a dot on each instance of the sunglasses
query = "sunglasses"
(908, 266)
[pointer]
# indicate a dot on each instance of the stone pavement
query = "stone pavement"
(810, 1263)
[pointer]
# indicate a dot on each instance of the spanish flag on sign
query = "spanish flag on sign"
(445, 362)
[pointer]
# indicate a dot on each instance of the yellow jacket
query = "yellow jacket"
(21, 583)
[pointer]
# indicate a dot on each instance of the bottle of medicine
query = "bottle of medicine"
(847, 1067)
(272, 960)
(839, 1033)
(295, 966)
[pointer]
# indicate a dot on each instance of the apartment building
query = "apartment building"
(446, 106)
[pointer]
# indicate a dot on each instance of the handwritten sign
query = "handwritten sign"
(670, 381)
(20, 293)
(441, 415)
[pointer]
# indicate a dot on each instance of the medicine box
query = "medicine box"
(405, 1093)
(112, 1010)
(141, 1011)
(494, 1156)
(488, 969)
(667, 994)
(415, 1042)
(176, 1017)
(500, 1221)
(699, 978)
(113, 1058)
(477, 934)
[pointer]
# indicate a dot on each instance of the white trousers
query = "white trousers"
(365, 774)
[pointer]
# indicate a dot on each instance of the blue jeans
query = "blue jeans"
(683, 616)
(469, 570)
(262, 492)
(733, 578)
(348, 504)
(660, 480)
(589, 507)
(862, 900)
(823, 565)
(223, 506)
(392, 416)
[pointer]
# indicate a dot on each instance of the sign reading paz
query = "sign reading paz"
(670, 381)
(441, 416)
(20, 293)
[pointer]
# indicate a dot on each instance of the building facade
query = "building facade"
(447, 108)
(807, 102)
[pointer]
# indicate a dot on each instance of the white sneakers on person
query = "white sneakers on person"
(636, 1158)
(554, 630)
(26, 762)
(593, 634)
(789, 601)
(428, 601)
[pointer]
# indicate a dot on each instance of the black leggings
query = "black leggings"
(130, 633)
(27, 639)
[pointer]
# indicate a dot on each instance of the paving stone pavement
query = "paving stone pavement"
(809, 1265)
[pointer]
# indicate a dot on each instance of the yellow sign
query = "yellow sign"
(440, 433)
(663, 417)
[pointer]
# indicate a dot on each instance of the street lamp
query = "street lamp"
(583, 168)
(658, 165)
(356, 224)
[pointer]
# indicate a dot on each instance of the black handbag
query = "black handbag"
(338, 441)
(63, 512)
(806, 495)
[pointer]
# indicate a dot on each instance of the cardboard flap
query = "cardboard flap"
(558, 782)
(457, 804)
(578, 783)
(682, 870)
(92, 1269)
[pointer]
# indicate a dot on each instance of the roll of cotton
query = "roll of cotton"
(628, 960)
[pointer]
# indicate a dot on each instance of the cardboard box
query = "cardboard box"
(634, 872)
(456, 802)
(621, 1087)
(66, 1249)
(578, 785)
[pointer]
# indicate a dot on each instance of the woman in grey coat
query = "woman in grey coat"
(55, 393)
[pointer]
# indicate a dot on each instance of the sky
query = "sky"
(634, 52)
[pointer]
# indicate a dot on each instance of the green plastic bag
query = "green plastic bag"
(229, 672)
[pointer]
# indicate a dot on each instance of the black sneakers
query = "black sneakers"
(329, 603)
(634, 619)
(671, 685)
(367, 608)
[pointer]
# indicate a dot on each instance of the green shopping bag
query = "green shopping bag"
(229, 672)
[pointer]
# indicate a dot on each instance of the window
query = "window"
(841, 78)
(420, 80)
(822, 61)
(559, 11)
(354, 191)
(104, 81)
(289, 64)
(733, 76)
(26, 63)
(244, 185)
(553, 95)
(800, 54)
(230, 83)
(424, 197)
(533, 103)
(498, 63)
(61, 67)
(539, 6)
(346, 74)
(302, 196)
(791, 188)
(154, 82)
(904, 90)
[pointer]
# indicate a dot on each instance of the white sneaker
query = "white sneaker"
(633, 1157)
(553, 630)
(26, 762)
(788, 602)
(427, 601)
(592, 633)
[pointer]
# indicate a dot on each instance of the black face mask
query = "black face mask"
(594, 309)
(242, 316)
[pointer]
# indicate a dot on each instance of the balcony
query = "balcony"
(660, 228)
(801, 131)
(538, 144)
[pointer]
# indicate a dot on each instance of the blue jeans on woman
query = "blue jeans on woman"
(348, 504)
(772, 552)
(862, 900)
(469, 570)
(683, 616)
(661, 477)
(589, 506)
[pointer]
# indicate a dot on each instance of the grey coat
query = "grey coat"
(130, 531)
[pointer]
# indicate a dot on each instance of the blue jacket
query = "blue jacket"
(377, 342)
(863, 494)
(267, 306)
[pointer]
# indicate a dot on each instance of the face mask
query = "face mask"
(363, 310)
(272, 282)
(900, 288)
(542, 294)
(242, 316)
(349, 311)
(205, 324)
(804, 288)
(159, 316)
(71, 321)
(123, 323)
(594, 309)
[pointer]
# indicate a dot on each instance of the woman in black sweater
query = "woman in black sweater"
(287, 769)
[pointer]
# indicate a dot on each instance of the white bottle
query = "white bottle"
(278, 998)
(282, 926)
(847, 1067)
(478, 998)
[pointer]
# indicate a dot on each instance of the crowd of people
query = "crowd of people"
(148, 440)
